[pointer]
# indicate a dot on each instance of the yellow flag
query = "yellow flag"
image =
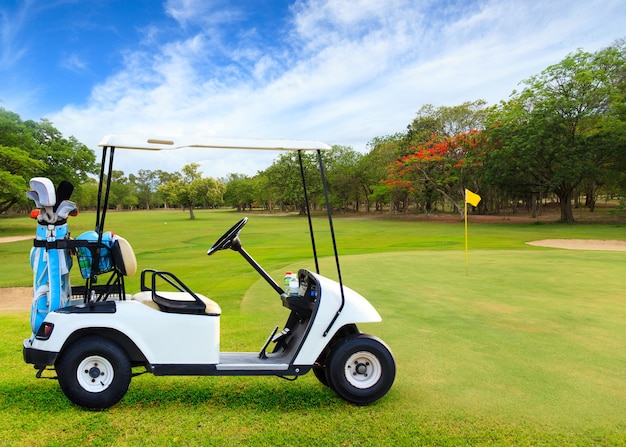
(471, 197)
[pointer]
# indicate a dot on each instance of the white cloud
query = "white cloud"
(74, 63)
(351, 71)
(11, 50)
(205, 12)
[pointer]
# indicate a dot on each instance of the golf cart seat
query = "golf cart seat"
(181, 300)
(100, 254)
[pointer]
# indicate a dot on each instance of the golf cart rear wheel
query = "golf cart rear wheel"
(94, 372)
(361, 369)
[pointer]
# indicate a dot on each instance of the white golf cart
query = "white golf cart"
(95, 335)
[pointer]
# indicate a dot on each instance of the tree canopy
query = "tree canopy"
(562, 135)
(189, 189)
(562, 130)
(37, 149)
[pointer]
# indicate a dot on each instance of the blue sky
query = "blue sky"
(340, 71)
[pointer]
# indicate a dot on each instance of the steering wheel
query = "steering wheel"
(227, 238)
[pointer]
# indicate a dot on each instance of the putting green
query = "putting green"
(529, 335)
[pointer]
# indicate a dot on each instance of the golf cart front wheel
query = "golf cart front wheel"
(94, 372)
(361, 369)
(320, 373)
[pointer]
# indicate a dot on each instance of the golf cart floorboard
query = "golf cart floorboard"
(235, 363)
(250, 360)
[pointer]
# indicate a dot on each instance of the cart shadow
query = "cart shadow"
(266, 394)
(30, 396)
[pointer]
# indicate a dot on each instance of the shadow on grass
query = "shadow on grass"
(230, 393)
(33, 395)
(234, 393)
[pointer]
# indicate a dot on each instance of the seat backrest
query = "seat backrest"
(124, 256)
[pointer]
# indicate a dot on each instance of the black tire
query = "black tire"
(320, 373)
(361, 369)
(94, 372)
(319, 368)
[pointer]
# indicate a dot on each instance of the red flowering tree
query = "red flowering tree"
(441, 167)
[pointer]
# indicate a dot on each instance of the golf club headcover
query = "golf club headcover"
(65, 208)
(64, 192)
(34, 197)
(45, 191)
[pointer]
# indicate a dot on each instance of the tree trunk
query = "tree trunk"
(191, 215)
(565, 198)
(534, 205)
(366, 193)
(591, 197)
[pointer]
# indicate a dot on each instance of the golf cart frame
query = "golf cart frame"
(95, 339)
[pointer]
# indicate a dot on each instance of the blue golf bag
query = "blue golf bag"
(51, 265)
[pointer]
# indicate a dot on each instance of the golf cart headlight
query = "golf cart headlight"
(45, 331)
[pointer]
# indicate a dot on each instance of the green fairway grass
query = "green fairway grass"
(529, 348)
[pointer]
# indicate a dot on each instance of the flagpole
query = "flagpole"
(466, 243)
(473, 199)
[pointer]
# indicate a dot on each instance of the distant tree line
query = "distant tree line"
(561, 137)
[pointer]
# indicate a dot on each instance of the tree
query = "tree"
(383, 152)
(428, 179)
(145, 185)
(284, 176)
(31, 149)
(123, 192)
(190, 189)
(16, 164)
(16, 168)
(343, 177)
(210, 192)
(64, 158)
(443, 164)
(447, 121)
(86, 194)
(265, 193)
(552, 131)
(239, 191)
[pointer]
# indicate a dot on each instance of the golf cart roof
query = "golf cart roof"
(163, 143)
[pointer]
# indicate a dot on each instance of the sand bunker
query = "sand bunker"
(581, 244)
(7, 239)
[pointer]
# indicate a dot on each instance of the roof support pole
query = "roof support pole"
(332, 235)
(308, 211)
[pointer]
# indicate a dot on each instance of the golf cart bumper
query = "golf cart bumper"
(37, 357)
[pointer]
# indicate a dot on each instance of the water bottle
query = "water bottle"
(287, 282)
(294, 285)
